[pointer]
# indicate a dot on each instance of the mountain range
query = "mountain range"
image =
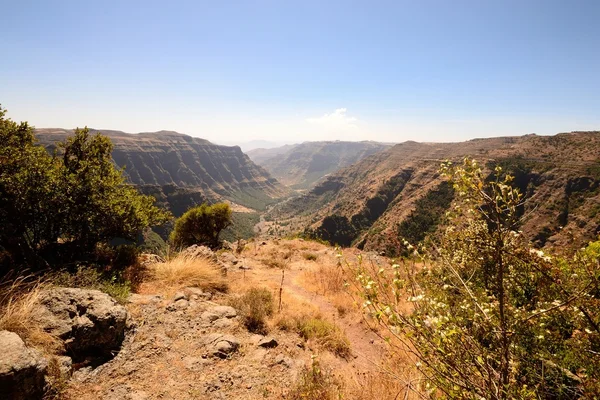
(169, 164)
(301, 166)
(398, 193)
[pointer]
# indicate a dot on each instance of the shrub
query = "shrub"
(310, 256)
(490, 317)
(201, 225)
(254, 307)
(316, 383)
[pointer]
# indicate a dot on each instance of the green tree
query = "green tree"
(201, 225)
(491, 317)
(28, 192)
(60, 208)
(98, 204)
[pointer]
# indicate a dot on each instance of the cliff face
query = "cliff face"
(165, 159)
(301, 166)
(398, 193)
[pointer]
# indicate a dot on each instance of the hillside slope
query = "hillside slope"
(167, 160)
(301, 166)
(398, 193)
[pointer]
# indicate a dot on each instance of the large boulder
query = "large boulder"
(22, 370)
(91, 323)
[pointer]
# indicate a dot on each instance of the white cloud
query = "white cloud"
(337, 120)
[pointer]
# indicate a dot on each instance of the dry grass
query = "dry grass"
(313, 327)
(19, 300)
(326, 279)
(184, 271)
(254, 306)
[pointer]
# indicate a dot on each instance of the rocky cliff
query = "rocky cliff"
(169, 159)
(301, 166)
(398, 193)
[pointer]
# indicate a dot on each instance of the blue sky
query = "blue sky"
(234, 71)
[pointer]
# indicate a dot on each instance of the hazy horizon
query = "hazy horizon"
(430, 71)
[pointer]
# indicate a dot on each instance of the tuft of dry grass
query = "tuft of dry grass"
(254, 306)
(19, 300)
(185, 271)
(313, 327)
(327, 279)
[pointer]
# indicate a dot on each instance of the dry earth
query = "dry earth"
(198, 348)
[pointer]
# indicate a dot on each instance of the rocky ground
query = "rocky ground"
(192, 346)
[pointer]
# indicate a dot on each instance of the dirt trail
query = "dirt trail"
(367, 348)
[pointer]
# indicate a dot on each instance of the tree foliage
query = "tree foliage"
(201, 225)
(490, 317)
(54, 207)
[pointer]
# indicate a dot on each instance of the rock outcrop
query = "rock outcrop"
(89, 322)
(22, 370)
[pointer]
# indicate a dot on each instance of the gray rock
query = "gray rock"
(179, 296)
(221, 345)
(268, 343)
(228, 258)
(195, 293)
(223, 311)
(283, 360)
(143, 298)
(65, 366)
(209, 316)
(22, 370)
(181, 304)
(88, 321)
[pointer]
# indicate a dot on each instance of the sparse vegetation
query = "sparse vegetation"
(182, 271)
(19, 297)
(317, 383)
(255, 306)
(314, 327)
(310, 256)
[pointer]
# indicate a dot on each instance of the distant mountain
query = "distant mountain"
(180, 169)
(301, 166)
(398, 193)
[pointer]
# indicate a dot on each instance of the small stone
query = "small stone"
(179, 296)
(224, 311)
(268, 343)
(209, 316)
(280, 359)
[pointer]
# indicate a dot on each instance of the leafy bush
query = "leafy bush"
(490, 317)
(254, 307)
(57, 209)
(201, 225)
